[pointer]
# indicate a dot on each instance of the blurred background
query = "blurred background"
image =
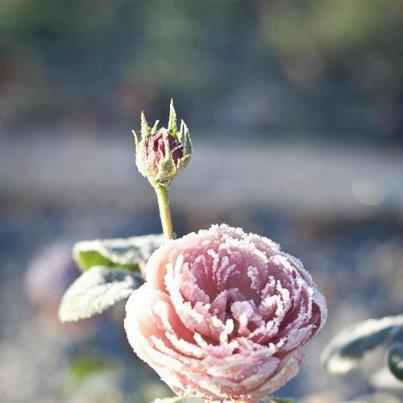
(296, 116)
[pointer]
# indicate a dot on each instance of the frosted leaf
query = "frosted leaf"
(96, 290)
(347, 348)
(384, 379)
(395, 360)
(131, 253)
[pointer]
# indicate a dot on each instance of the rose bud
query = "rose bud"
(223, 315)
(162, 153)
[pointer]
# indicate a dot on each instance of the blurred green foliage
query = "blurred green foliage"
(333, 66)
(337, 28)
(84, 367)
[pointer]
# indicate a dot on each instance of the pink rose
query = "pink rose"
(224, 314)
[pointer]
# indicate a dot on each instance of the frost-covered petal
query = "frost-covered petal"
(224, 314)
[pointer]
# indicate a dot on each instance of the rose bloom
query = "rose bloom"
(223, 315)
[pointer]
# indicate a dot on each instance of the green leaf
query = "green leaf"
(395, 360)
(172, 125)
(272, 399)
(346, 349)
(184, 139)
(83, 368)
(130, 254)
(155, 127)
(145, 129)
(96, 290)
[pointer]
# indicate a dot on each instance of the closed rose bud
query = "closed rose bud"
(162, 153)
(156, 149)
(224, 315)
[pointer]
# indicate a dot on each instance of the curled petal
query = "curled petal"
(224, 315)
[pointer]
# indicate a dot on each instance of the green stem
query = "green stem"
(165, 212)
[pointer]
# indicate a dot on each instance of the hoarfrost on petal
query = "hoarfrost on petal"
(224, 314)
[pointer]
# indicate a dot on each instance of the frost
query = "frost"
(247, 306)
(131, 253)
(345, 350)
(96, 290)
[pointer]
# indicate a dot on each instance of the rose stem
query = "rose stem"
(165, 212)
